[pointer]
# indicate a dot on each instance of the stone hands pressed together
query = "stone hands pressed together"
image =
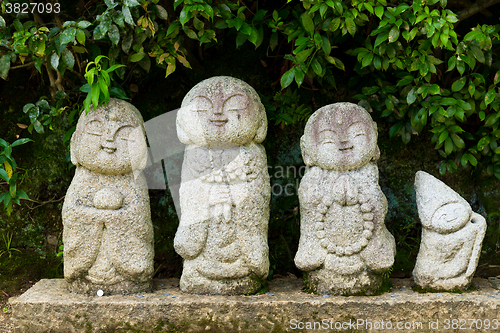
(225, 190)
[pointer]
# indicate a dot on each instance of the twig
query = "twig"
(41, 203)
(24, 65)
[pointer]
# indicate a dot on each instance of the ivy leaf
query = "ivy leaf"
(379, 11)
(459, 84)
(308, 23)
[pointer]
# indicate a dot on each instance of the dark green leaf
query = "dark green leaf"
(136, 57)
(307, 23)
(162, 13)
(114, 34)
(84, 24)
(483, 143)
(68, 58)
(4, 67)
(54, 61)
(412, 96)
(448, 146)
(316, 66)
(4, 175)
(351, 26)
(459, 84)
(299, 76)
(393, 34)
(287, 78)
(127, 16)
(448, 101)
(490, 96)
(458, 141)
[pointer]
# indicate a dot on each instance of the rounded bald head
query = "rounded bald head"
(221, 111)
(341, 137)
(110, 139)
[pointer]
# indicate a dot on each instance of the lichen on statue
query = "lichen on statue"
(108, 234)
(344, 246)
(225, 190)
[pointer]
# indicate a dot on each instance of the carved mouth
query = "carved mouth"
(109, 150)
(346, 148)
(219, 122)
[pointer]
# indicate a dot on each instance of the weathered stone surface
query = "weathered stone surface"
(49, 307)
(108, 234)
(344, 245)
(225, 190)
(452, 236)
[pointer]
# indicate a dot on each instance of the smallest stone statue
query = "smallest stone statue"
(452, 236)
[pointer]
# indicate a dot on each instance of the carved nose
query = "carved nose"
(217, 110)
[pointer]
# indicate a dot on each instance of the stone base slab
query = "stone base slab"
(49, 307)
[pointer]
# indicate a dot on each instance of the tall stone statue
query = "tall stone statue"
(108, 234)
(452, 236)
(225, 190)
(344, 246)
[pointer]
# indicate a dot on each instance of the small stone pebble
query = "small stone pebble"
(491, 296)
(403, 289)
(140, 295)
(100, 293)
(270, 294)
(394, 295)
(439, 295)
(254, 296)
(326, 296)
(460, 295)
(495, 293)
(166, 294)
(174, 296)
(162, 284)
(497, 297)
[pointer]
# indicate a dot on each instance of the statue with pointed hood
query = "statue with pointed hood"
(108, 234)
(452, 235)
(225, 191)
(344, 246)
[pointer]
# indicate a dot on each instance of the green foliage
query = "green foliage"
(98, 83)
(7, 239)
(9, 175)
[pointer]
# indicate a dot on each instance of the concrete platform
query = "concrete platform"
(49, 307)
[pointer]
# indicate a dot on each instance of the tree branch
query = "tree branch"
(476, 7)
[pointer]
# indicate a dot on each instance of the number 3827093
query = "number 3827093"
(38, 7)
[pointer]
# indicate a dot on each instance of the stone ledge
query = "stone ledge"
(49, 307)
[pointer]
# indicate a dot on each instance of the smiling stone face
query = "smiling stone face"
(339, 137)
(108, 140)
(219, 112)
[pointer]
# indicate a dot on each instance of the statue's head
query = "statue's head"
(110, 139)
(340, 137)
(221, 112)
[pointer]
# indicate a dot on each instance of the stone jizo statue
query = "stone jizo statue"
(344, 246)
(108, 234)
(225, 190)
(452, 236)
